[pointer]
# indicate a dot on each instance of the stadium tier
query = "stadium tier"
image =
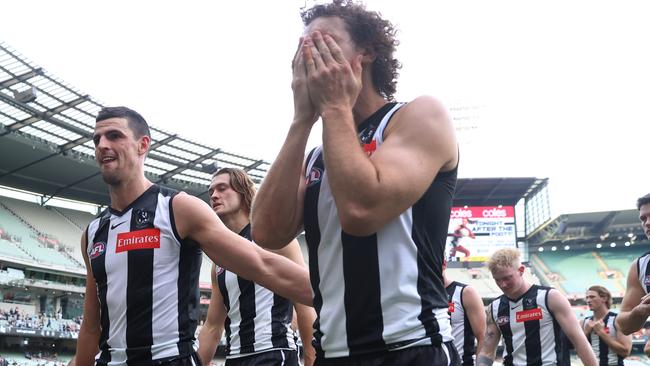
(573, 271)
(36, 230)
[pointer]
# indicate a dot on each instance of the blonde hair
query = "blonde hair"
(502, 258)
(602, 292)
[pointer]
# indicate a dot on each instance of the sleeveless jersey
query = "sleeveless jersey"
(147, 281)
(606, 357)
(461, 329)
(531, 334)
(258, 320)
(383, 291)
(643, 270)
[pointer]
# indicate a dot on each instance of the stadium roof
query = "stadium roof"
(46, 143)
(605, 227)
(495, 191)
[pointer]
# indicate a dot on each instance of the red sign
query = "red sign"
(475, 212)
(527, 315)
(451, 307)
(141, 239)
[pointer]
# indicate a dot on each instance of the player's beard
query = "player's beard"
(111, 178)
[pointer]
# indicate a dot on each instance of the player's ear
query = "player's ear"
(144, 143)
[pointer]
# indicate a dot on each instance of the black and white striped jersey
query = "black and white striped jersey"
(147, 281)
(531, 334)
(258, 320)
(383, 291)
(461, 329)
(643, 270)
(606, 356)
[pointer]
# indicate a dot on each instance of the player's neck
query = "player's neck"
(236, 222)
(446, 280)
(123, 194)
(368, 102)
(600, 312)
(525, 286)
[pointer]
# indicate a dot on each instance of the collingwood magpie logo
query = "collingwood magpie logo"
(143, 218)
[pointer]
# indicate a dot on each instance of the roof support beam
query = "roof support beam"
(46, 116)
(20, 78)
(189, 165)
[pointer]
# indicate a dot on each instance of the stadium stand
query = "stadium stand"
(53, 228)
(27, 237)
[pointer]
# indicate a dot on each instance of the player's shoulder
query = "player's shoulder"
(424, 106)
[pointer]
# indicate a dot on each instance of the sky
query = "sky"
(554, 89)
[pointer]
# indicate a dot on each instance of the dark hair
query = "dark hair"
(368, 30)
(642, 201)
(241, 183)
(137, 124)
(602, 292)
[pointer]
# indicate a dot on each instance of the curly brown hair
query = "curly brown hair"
(368, 30)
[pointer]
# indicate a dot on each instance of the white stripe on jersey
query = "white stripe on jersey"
(612, 357)
(330, 266)
(234, 314)
(458, 321)
(546, 330)
(165, 309)
(398, 275)
(394, 262)
(263, 320)
(117, 280)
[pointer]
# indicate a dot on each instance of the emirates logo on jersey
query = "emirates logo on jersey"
(528, 315)
(452, 307)
(606, 330)
(141, 239)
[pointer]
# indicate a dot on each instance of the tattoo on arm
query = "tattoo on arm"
(483, 360)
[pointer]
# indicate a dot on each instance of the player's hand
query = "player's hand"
(598, 326)
(304, 111)
(644, 305)
(334, 82)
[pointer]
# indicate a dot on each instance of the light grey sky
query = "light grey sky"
(558, 89)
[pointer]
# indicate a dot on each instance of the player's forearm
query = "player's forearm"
(615, 345)
(630, 322)
(353, 178)
(284, 277)
(306, 317)
(584, 351)
(87, 347)
(208, 341)
(275, 213)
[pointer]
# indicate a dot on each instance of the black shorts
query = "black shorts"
(414, 356)
(270, 358)
(191, 360)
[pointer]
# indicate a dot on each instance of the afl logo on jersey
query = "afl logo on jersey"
(314, 177)
(97, 249)
(503, 320)
(218, 270)
(646, 281)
